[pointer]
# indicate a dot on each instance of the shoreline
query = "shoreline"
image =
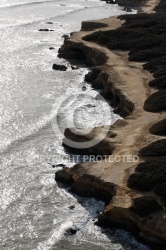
(113, 73)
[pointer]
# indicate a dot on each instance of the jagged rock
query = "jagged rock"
(59, 67)
(127, 9)
(65, 36)
(74, 67)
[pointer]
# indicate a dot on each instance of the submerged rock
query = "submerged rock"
(61, 165)
(59, 67)
(45, 30)
(71, 231)
(72, 207)
(84, 88)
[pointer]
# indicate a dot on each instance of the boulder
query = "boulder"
(59, 67)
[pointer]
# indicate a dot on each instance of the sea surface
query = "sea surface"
(35, 213)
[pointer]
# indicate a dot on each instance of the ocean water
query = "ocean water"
(34, 213)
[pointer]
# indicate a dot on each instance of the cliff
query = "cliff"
(127, 56)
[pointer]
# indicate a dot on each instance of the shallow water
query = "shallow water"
(34, 211)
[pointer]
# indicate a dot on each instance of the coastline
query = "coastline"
(114, 73)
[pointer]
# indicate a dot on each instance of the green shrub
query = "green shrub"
(144, 206)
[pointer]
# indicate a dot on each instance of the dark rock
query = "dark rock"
(90, 106)
(93, 74)
(44, 30)
(59, 67)
(127, 9)
(51, 48)
(84, 88)
(65, 36)
(74, 67)
(63, 176)
(72, 207)
(52, 30)
(61, 165)
(71, 231)
(49, 22)
(111, 1)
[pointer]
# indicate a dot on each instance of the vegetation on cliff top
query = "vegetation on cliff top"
(150, 175)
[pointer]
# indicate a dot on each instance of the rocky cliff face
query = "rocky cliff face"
(126, 84)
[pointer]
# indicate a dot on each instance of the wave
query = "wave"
(26, 137)
(56, 236)
(12, 5)
(45, 19)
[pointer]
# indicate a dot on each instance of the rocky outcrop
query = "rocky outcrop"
(102, 146)
(79, 51)
(59, 67)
